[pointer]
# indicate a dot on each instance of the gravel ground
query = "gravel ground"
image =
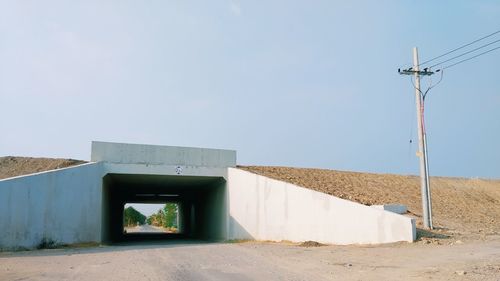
(194, 260)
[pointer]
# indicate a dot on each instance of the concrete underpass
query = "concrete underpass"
(201, 201)
(215, 201)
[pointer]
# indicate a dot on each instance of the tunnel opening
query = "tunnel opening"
(151, 218)
(200, 204)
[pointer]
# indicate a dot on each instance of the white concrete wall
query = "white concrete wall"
(266, 209)
(167, 170)
(61, 205)
(124, 153)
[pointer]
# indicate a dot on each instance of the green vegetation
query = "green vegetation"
(156, 219)
(166, 217)
(132, 217)
(170, 211)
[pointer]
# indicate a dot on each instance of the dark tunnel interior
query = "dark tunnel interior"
(201, 200)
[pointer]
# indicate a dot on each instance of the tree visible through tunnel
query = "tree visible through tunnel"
(159, 218)
(185, 207)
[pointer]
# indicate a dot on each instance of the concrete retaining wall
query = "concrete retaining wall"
(63, 206)
(66, 205)
(125, 153)
(266, 209)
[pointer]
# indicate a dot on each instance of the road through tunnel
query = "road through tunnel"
(201, 201)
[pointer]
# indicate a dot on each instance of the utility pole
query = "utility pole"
(422, 139)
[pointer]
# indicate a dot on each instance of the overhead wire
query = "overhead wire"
(466, 53)
(467, 59)
(432, 86)
(424, 94)
(459, 48)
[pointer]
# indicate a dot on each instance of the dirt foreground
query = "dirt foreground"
(194, 260)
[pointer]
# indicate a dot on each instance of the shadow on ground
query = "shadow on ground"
(424, 233)
(68, 250)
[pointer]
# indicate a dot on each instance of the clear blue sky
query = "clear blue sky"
(291, 83)
(146, 209)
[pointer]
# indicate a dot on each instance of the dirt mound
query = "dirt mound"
(460, 205)
(11, 166)
(311, 244)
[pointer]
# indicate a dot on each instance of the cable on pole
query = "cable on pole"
(467, 59)
(461, 47)
(424, 94)
(456, 49)
(466, 53)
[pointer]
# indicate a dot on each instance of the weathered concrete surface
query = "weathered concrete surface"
(62, 206)
(395, 208)
(167, 170)
(267, 209)
(161, 155)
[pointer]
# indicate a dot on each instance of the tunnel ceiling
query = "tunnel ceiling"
(129, 185)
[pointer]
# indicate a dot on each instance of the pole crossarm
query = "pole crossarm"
(410, 71)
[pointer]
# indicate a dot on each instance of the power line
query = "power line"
(464, 60)
(463, 54)
(461, 47)
(428, 72)
(424, 94)
(419, 102)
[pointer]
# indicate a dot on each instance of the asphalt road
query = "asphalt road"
(145, 228)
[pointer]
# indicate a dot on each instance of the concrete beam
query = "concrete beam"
(177, 170)
(122, 153)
